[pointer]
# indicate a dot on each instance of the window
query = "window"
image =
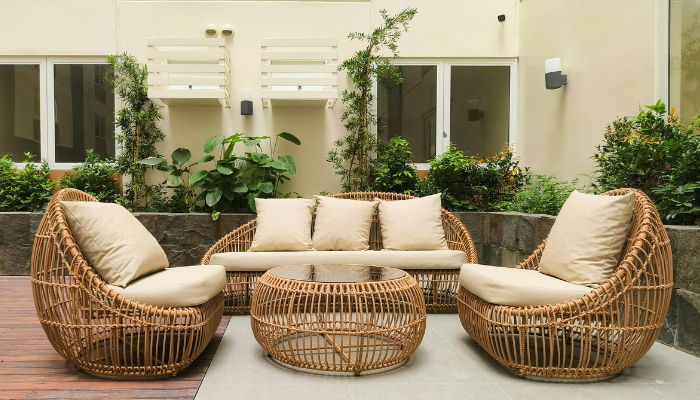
(684, 47)
(56, 109)
(470, 103)
(20, 110)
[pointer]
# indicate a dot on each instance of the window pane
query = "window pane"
(480, 109)
(84, 112)
(685, 58)
(408, 110)
(20, 105)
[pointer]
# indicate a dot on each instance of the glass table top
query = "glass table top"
(337, 273)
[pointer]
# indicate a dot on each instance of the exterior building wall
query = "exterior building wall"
(607, 48)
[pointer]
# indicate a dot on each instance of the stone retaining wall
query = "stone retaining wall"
(503, 239)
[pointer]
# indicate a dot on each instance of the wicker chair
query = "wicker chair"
(95, 328)
(440, 286)
(597, 335)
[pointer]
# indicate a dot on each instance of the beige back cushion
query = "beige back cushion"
(283, 225)
(343, 224)
(586, 240)
(113, 241)
(414, 224)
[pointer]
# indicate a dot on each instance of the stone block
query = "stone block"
(474, 222)
(526, 234)
(510, 231)
(495, 229)
(672, 233)
(14, 229)
(34, 222)
(148, 220)
(688, 339)
(686, 274)
(492, 255)
(480, 251)
(509, 258)
(185, 229)
(15, 259)
(543, 224)
(669, 332)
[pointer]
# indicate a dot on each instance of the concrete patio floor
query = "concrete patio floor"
(447, 365)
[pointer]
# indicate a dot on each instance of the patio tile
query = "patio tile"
(275, 392)
(427, 392)
(524, 389)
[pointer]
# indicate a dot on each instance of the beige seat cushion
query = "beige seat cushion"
(259, 261)
(113, 241)
(586, 240)
(283, 225)
(176, 287)
(343, 224)
(517, 287)
(414, 224)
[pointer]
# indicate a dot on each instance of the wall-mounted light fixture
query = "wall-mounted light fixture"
(474, 110)
(246, 102)
(553, 77)
(211, 31)
(227, 31)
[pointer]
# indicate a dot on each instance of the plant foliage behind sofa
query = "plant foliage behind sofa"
(654, 152)
(27, 189)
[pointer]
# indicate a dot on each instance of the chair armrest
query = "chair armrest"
(533, 262)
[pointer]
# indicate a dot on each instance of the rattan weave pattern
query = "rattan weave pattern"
(339, 327)
(439, 286)
(95, 328)
(597, 335)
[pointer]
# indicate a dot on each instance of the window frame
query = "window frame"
(442, 109)
(47, 107)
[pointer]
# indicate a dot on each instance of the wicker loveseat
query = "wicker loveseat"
(439, 285)
(96, 328)
(596, 335)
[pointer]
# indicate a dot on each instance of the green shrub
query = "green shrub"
(95, 177)
(472, 183)
(396, 172)
(27, 189)
(544, 195)
(658, 155)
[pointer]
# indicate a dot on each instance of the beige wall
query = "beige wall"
(607, 48)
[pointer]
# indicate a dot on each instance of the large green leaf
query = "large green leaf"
(240, 187)
(252, 142)
(198, 176)
(214, 197)
(278, 164)
(212, 143)
(152, 161)
(266, 187)
(289, 137)
(291, 164)
(174, 180)
(251, 200)
(224, 167)
(258, 157)
(255, 180)
(181, 156)
(203, 160)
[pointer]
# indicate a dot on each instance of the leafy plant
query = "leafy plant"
(27, 189)
(472, 183)
(655, 153)
(138, 120)
(180, 178)
(545, 195)
(355, 156)
(94, 176)
(396, 172)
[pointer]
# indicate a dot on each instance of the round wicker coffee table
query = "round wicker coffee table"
(342, 318)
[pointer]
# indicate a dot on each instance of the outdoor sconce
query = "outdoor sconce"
(246, 102)
(227, 31)
(553, 77)
(474, 110)
(211, 31)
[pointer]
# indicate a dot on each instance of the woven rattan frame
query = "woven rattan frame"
(95, 328)
(597, 335)
(339, 327)
(439, 286)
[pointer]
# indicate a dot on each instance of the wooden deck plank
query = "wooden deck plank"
(31, 369)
